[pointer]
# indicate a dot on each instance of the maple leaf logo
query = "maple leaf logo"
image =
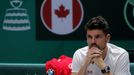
(62, 12)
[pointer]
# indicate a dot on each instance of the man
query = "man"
(100, 57)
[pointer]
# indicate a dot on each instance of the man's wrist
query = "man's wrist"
(87, 61)
(102, 65)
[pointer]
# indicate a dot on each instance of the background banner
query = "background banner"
(119, 14)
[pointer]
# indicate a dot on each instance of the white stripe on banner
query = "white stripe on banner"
(62, 25)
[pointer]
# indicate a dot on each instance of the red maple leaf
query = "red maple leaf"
(62, 12)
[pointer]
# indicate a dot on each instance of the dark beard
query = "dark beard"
(94, 45)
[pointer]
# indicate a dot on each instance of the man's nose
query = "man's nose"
(93, 40)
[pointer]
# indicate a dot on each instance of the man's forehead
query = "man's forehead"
(96, 31)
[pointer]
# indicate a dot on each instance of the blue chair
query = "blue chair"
(132, 68)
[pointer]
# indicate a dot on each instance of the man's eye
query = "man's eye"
(98, 36)
(89, 36)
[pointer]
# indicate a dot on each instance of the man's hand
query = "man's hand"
(92, 54)
(98, 60)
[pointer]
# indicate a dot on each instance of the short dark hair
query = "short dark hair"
(97, 23)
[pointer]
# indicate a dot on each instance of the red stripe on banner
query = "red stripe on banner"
(77, 13)
(47, 13)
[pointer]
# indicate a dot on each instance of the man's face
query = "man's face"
(97, 37)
